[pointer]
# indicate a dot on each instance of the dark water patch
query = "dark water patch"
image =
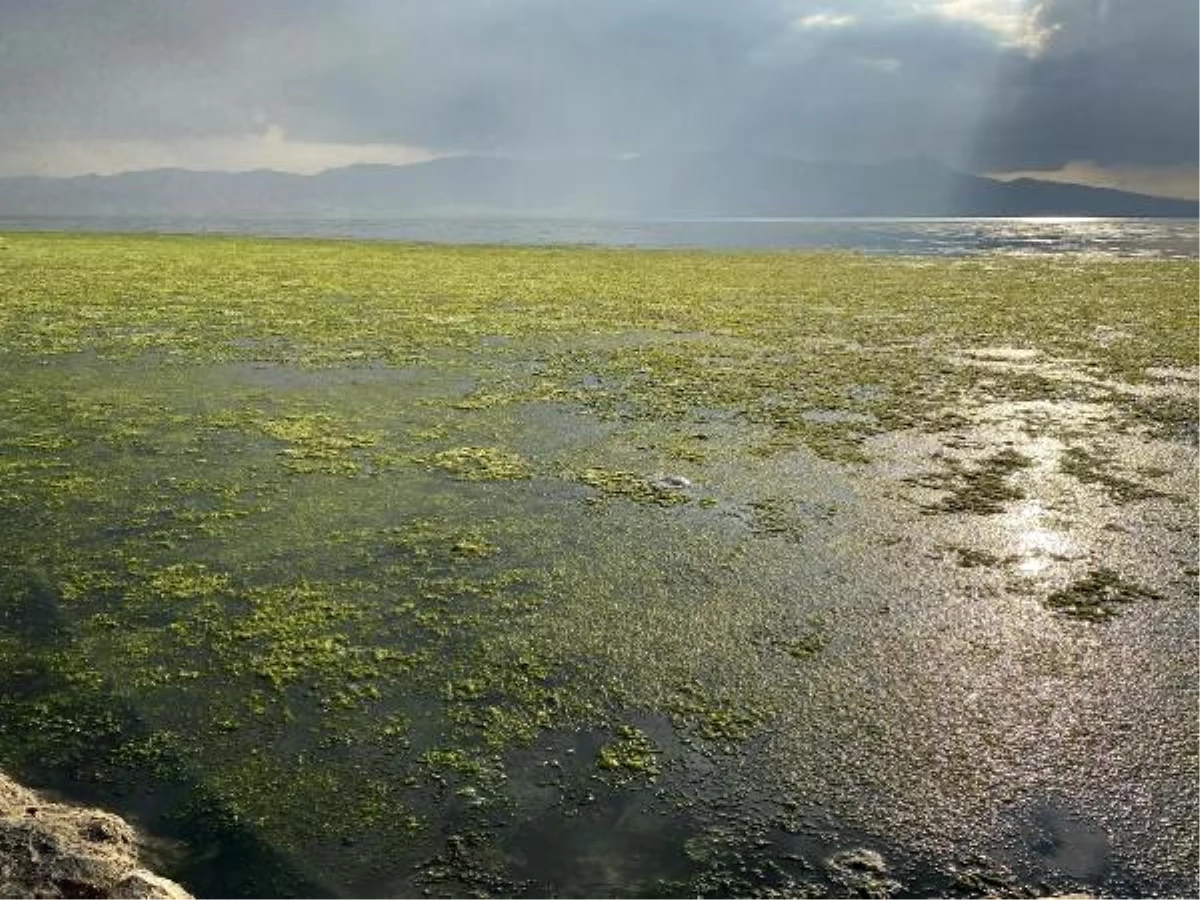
(30, 606)
(1054, 845)
(982, 489)
(418, 382)
(1098, 596)
(1089, 468)
(1066, 843)
(622, 843)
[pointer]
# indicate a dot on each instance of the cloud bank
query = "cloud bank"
(986, 85)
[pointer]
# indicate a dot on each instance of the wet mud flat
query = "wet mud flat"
(369, 569)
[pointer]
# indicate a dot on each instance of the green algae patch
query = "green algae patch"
(722, 721)
(775, 338)
(803, 646)
(180, 581)
(781, 518)
(973, 558)
(318, 443)
(634, 487)
(424, 541)
(630, 755)
(1098, 596)
(481, 464)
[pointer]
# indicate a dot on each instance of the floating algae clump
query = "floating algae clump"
(804, 646)
(631, 754)
(481, 464)
(187, 581)
(1097, 597)
(777, 517)
(631, 486)
(724, 721)
(318, 443)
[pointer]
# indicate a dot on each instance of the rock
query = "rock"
(55, 850)
(862, 873)
(671, 482)
(142, 885)
(860, 860)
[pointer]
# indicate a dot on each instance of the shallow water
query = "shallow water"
(932, 237)
(542, 616)
(943, 707)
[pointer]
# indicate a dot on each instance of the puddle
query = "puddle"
(835, 415)
(1058, 838)
(1002, 354)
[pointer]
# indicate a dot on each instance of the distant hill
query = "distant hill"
(696, 185)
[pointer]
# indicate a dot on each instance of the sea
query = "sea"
(909, 236)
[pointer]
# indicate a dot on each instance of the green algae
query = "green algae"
(721, 330)
(183, 581)
(973, 558)
(480, 464)
(631, 754)
(723, 721)
(304, 592)
(632, 486)
(318, 443)
(777, 517)
(802, 646)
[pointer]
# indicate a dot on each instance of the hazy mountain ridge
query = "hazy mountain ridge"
(645, 186)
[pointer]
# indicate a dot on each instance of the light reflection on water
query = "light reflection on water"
(919, 236)
(1036, 545)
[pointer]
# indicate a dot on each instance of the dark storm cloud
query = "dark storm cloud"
(870, 89)
(539, 75)
(1116, 83)
(136, 69)
(548, 77)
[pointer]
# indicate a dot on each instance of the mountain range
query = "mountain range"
(650, 186)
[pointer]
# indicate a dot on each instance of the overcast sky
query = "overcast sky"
(1103, 91)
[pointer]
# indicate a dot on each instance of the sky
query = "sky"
(1094, 91)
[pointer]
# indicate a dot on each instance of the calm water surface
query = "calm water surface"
(935, 237)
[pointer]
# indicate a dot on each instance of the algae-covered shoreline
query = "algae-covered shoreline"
(393, 569)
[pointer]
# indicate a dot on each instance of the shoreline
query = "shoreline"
(924, 238)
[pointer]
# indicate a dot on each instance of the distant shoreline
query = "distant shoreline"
(916, 236)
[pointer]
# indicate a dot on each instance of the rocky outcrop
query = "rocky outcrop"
(56, 850)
